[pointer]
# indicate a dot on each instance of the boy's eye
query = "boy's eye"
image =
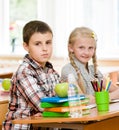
(48, 42)
(37, 43)
(40, 43)
(91, 48)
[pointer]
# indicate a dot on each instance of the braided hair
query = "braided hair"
(85, 33)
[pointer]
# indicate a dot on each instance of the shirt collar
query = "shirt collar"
(33, 63)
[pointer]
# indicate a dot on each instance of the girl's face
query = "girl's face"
(83, 49)
(40, 47)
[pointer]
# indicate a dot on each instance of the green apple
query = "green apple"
(61, 89)
(6, 84)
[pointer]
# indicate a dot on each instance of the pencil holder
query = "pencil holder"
(102, 100)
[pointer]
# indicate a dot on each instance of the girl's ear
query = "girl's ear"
(26, 47)
(70, 48)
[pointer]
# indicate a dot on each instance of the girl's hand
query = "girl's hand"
(91, 99)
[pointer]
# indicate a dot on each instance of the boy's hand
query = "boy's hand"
(38, 114)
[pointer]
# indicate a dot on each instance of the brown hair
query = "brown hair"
(33, 27)
(82, 32)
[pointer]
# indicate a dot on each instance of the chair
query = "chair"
(114, 76)
(6, 75)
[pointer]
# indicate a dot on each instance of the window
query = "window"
(15, 13)
(26, 10)
(100, 15)
(63, 16)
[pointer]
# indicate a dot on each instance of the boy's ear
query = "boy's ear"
(25, 45)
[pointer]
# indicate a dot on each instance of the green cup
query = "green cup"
(102, 101)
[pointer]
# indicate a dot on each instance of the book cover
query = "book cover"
(64, 109)
(51, 104)
(62, 114)
(59, 99)
(55, 114)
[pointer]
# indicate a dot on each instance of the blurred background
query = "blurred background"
(63, 16)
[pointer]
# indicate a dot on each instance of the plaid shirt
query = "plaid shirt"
(29, 84)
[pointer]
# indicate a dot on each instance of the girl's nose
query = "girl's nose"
(86, 51)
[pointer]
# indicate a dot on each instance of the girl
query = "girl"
(82, 48)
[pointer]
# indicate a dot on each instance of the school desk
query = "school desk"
(4, 99)
(6, 75)
(94, 121)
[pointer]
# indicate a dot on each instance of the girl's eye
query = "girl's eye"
(81, 47)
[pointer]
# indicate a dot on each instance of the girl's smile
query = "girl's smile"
(83, 49)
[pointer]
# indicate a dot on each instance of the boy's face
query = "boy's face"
(40, 47)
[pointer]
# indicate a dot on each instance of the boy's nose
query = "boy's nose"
(44, 47)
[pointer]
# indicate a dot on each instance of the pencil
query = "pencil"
(101, 84)
(98, 85)
(94, 86)
(109, 84)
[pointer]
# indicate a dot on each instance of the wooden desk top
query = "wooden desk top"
(94, 116)
(4, 98)
(6, 75)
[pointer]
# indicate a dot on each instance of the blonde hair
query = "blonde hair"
(85, 33)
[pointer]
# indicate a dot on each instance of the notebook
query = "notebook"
(59, 99)
(62, 114)
(55, 114)
(114, 100)
(51, 104)
(65, 109)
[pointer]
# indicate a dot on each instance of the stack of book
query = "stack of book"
(59, 107)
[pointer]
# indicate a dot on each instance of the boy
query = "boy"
(35, 77)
